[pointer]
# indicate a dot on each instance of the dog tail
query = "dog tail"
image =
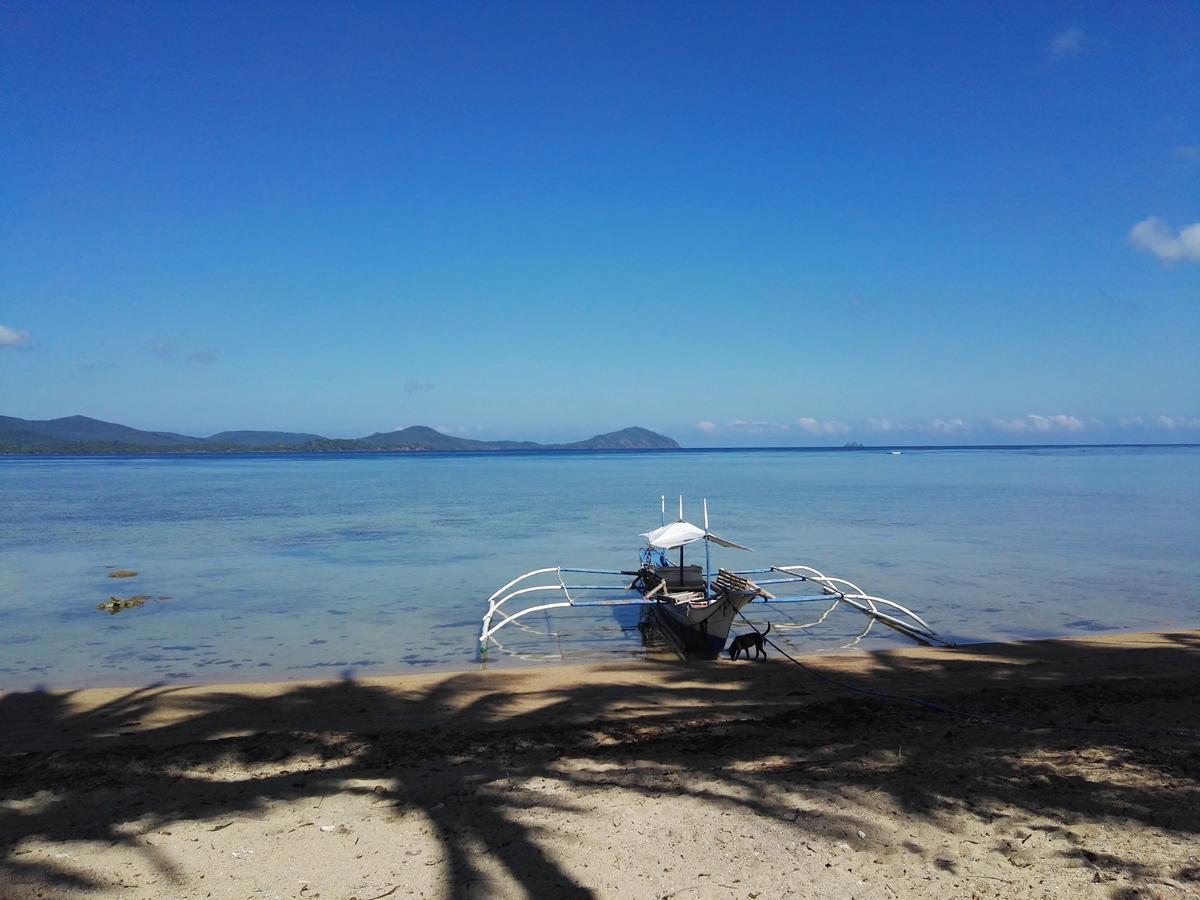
(768, 631)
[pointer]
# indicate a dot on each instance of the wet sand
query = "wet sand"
(640, 779)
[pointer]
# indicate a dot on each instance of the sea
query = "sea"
(282, 567)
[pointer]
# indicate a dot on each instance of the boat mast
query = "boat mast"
(681, 545)
(707, 563)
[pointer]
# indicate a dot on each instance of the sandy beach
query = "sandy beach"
(643, 780)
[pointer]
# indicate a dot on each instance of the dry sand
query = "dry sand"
(640, 780)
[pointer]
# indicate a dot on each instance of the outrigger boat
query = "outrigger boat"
(693, 607)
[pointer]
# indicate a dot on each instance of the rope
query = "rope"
(963, 714)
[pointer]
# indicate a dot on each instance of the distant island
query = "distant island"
(83, 436)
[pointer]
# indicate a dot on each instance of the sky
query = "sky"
(736, 224)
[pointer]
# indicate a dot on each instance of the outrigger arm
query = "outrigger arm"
(505, 594)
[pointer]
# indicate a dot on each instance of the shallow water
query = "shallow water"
(280, 567)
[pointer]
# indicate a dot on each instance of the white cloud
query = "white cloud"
(949, 426)
(1130, 421)
(1040, 424)
(1171, 423)
(12, 337)
(1067, 44)
(1153, 236)
(741, 426)
(938, 426)
(1067, 423)
(754, 427)
(818, 426)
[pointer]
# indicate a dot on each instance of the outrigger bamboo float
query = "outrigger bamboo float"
(693, 607)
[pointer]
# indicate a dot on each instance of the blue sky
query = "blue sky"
(734, 223)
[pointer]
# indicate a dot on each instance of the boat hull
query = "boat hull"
(700, 631)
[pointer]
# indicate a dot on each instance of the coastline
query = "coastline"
(547, 450)
(924, 671)
(639, 779)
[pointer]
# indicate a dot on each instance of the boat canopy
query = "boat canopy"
(677, 534)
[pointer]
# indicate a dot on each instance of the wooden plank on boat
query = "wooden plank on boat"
(729, 582)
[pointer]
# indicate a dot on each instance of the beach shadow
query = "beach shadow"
(467, 752)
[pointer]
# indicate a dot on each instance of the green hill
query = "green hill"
(263, 438)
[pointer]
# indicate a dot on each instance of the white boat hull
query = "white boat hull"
(700, 630)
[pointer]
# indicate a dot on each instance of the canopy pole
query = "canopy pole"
(707, 559)
(681, 507)
(663, 504)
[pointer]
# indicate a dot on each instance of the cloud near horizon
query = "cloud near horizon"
(741, 426)
(1040, 424)
(755, 426)
(886, 425)
(417, 387)
(818, 426)
(949, 426)
(1154, 236)
(13, 337)
(953, 426)
(1171, 423)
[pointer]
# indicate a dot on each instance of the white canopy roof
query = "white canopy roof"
(677, 534)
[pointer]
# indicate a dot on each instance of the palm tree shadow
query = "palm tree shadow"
(729, 736)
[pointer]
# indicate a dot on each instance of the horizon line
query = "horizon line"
(565, 450)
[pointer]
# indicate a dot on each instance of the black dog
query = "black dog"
(755, 639)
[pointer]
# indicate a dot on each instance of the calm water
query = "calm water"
(302, 567)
